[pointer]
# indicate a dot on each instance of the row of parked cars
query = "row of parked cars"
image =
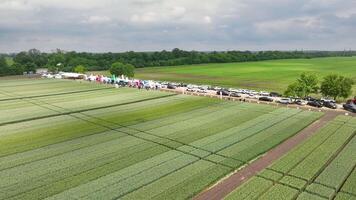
(266, 96)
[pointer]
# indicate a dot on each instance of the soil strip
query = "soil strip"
(222, 189)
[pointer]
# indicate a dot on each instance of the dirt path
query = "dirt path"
(226, 186)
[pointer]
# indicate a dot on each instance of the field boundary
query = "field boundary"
(82, 110)
(225, 187)
(54, 94)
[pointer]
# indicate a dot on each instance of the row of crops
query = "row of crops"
(93, 142)
(322, 167)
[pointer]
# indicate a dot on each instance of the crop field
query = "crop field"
(322, 167)
(70, 140)
(273, 75)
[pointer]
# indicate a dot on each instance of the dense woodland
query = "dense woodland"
(67, 61)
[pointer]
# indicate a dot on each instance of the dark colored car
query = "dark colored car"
(222, 92)
(329, 104)
(350, 106)
(300, 102)
(317, 104)
(265, 99)
(234, 94)
(310, 99)
(275, 94)
(122, 83)
(170, 86)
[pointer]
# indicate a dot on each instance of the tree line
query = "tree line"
(332, 86)
(59, 60)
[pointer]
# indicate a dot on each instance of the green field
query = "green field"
(323, 167)
(70, 140)
(273, 75)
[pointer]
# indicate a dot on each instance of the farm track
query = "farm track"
(226, 186)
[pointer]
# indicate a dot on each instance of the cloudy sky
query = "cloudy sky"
(146, 25)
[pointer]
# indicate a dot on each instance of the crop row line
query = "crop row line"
(188, 117)
(343, 182)
(203, 158)
(316, 182)
(328, 162)
(122, 126)
(83, 110)
(48, 82)
(154, 180)
(182, 143)
(134, 135)
(349, 193)
(106, 164)
(291, 186)
(56, 94)
(200, 157)
(82, 172)
(179, 142)
(300, 161)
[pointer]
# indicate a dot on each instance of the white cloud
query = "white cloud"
(207, 19)
(178, 11)
(14, 5)
(188, 24)
(148, 17)
(98, 19)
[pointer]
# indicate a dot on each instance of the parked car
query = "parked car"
(265, 99)
(191, 89)
(300, 102)
(235, 94)
(285, 101)
(274, 94)
(263, 93)
(315, 103)
(202, 90)
(170, 86)
(327, 100)
(310, 99)
(223, 92)
(329, 104)
(350, 106)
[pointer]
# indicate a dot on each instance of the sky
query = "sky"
(154, 25)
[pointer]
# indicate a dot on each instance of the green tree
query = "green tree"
(305, 85)
(29, 67)
(119, 69)
(80, 69)
(4, 68)
(336, 86)
(52, 69)
(294, 90)
(17, 68)
(308, 84)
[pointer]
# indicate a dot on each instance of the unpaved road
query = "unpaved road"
(222, 189)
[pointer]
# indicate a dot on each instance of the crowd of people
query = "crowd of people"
(123, 81)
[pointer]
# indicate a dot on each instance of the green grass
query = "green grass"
(264, 75)
(66, 139)
(319, 168)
